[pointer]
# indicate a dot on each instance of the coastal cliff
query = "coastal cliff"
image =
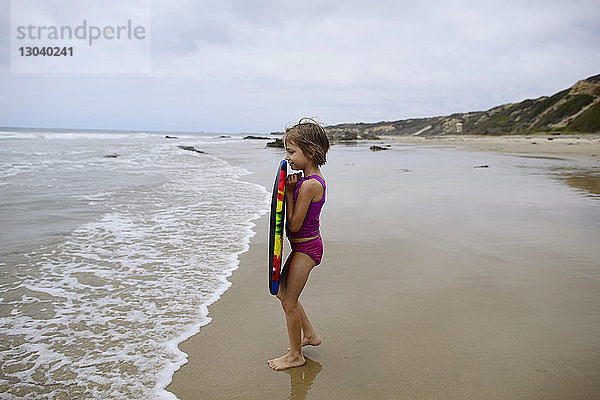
(573, 110)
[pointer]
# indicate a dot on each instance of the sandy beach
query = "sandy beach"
(584, 146)
(483, 286)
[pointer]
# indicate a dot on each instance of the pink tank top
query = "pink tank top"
(310, 225)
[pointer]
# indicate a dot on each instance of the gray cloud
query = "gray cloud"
(254, 65)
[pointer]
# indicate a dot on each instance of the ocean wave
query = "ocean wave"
(100, 313)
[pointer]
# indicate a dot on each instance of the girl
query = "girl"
(306, 145)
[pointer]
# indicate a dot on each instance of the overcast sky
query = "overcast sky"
(257, 65)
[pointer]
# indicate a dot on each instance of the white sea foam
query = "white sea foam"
(100, 312)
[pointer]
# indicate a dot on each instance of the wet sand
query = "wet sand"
(428, 289)
(582, 147)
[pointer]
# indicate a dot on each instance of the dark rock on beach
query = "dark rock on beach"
(171, 137)
(257, 137)
(111, 156)
(278, 143)
(348, 136)
(369, 136)
(378, 148)
(191, 148)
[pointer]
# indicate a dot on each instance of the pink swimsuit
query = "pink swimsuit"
(308, 239)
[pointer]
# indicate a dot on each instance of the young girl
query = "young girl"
(306, 145)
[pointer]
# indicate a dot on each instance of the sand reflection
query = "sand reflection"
(302, 378)
(586, 180)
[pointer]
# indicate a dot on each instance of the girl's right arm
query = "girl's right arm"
(295, 213)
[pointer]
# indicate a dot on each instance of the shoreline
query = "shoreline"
(585, 147)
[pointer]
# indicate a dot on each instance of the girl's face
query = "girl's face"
(295, 157)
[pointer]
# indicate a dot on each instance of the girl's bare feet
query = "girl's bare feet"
(286, 361)
(310, 341)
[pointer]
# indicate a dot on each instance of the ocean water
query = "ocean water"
(107, 263)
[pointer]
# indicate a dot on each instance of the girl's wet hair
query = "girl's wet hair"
(310, 136)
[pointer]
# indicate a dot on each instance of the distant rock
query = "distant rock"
(171, 137)
(278, 143)
(369, 136)
(378, 148)
(348, 136)
(481, 166)
(256, 137)
(111, 156)
(224, 136)
(191, 148)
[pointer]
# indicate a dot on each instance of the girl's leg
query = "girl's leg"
(309, 335)
(296, 277)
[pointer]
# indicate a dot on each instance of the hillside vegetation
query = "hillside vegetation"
(573, 110)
